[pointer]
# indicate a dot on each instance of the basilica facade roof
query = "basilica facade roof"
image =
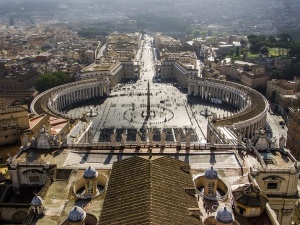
(142, 191)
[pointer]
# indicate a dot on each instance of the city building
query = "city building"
(275, 88)
(249, 74)
(13, 120)
(118, 59)
(174, 61)
(293, 137)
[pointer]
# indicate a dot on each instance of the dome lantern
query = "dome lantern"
(90, 173)
(76, 215)
(224, 216)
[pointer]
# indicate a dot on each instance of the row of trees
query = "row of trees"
(160, 23)
(260, 43)
(91, 32)
(205, 33)
(50, 80)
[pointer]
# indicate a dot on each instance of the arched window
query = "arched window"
(90, 187)
(211, 186)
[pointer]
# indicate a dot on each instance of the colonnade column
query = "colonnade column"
(195, 90)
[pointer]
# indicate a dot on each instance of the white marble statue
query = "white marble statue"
(150, 137)
(55, 140)
(213, 139)
(138, 138)
(163, 138)
(43, 129)
(124, 138)
(178, 138)
(64, 139)
(239, 139)
(113, 140)
(214, 116)
(188, 139)
(33, 141)
(249, 143)
(282, 141)
(25, 140)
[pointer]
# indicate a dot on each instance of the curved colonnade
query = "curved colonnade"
(250, 117)
(68, 94)
(253, 107)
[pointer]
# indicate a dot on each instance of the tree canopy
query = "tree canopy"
(282, 41)
(264, 50)
(91, 32)
(50, 80)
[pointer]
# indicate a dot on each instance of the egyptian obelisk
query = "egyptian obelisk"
(148, 99)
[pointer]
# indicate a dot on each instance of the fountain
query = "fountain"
(91, 113)
(206, 112)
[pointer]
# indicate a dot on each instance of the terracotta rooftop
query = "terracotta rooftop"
(34, 121)
(142, 191)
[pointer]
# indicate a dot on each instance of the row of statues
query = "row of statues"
(150, 135)
(259, 141)
(43, 140)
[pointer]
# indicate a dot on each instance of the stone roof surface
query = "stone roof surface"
(142, 191)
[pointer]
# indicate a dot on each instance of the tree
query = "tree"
(256, 42)
(272, 39)
(224, 34)
(203, 34)
(276, 74)
(237, 51)
(50, 80)
(264, 50)
(231, 51)
(196, 33)
(243, 43)
(189, 31)
(285, 38)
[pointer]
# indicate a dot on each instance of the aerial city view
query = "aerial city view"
(132, 112)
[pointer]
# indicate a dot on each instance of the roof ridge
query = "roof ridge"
(150, 192)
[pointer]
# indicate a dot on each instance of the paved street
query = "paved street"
(275, 127)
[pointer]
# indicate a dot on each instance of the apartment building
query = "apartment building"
(275, 88)
(13, 119)
(118, 60)
(293, 133)
(249, 74)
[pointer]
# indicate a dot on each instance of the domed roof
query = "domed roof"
(76, 214)
(90, 172)
(224, 216)
(211, 173)
(37, 200)
(250, 195)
